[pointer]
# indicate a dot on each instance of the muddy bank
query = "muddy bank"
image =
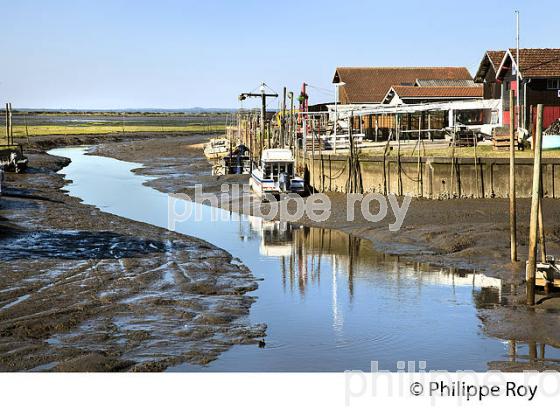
(470, 234)
(82, 290)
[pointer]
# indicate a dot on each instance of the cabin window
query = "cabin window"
(267, 171)
(290, 170)
(553, 84)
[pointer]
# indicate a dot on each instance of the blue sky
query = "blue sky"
(177, 54)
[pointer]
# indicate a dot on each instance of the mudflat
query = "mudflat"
(83, 290)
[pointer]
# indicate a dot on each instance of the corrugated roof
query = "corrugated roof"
(535, 62)
(370, 84)
(445, 83)
(438, 92)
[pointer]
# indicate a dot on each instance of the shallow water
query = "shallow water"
(331, 302)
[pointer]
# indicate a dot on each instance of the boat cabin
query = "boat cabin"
(277, 161)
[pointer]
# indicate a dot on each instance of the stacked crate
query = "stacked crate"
(500, 139)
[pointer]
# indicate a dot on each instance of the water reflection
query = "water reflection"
(303, 250)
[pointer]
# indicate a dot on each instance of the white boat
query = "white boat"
(238, 161)
(547, 273)
(275, 174)
(216, 148)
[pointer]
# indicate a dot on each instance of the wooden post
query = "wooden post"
(429, 126)
(292, 125)
(263, 121)
(475, 142)
(541, 230)
(26, 128)
(313, 137)
(7, 124)
(418, 170)
(535, 198)
(283, 120)
(512, 194)
(541, 224)
(10, 121)
(269, 135)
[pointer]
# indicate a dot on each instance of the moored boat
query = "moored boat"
(275, 174)
(217, 148)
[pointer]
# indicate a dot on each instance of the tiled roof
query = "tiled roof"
(491, 58)
(495, 57)
(535, 62)
(370, 84)
(438, 92)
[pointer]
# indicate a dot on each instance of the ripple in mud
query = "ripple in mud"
(77, 245)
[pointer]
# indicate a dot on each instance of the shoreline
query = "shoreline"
(84, 290)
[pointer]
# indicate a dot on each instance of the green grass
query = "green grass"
(7, 147)
(20, 131)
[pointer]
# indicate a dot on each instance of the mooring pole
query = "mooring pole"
(7, 124)
(535, 198)
(263, 119)
(11, 141)
(512, 194)
(283, 120)
(541, 231)
(541, 224)
(292, 126)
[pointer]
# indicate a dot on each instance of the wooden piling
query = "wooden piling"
(283, 120)
(7, 124)
(535, 199)
(418, 168)
(541, 231)
(11, 124)
(512, 194)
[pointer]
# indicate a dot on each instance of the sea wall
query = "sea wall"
(432, 177)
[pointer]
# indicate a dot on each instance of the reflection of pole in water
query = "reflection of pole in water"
(322, 231)
(300, 263)
(292, 257)
(532, 351)
(283, 267)
(512, 350)
(338, 320)
(352, 241)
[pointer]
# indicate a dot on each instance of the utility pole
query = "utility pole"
(262, 95)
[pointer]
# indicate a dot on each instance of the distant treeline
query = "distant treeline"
(121, 113)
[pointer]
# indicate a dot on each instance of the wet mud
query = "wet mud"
(82, 290)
